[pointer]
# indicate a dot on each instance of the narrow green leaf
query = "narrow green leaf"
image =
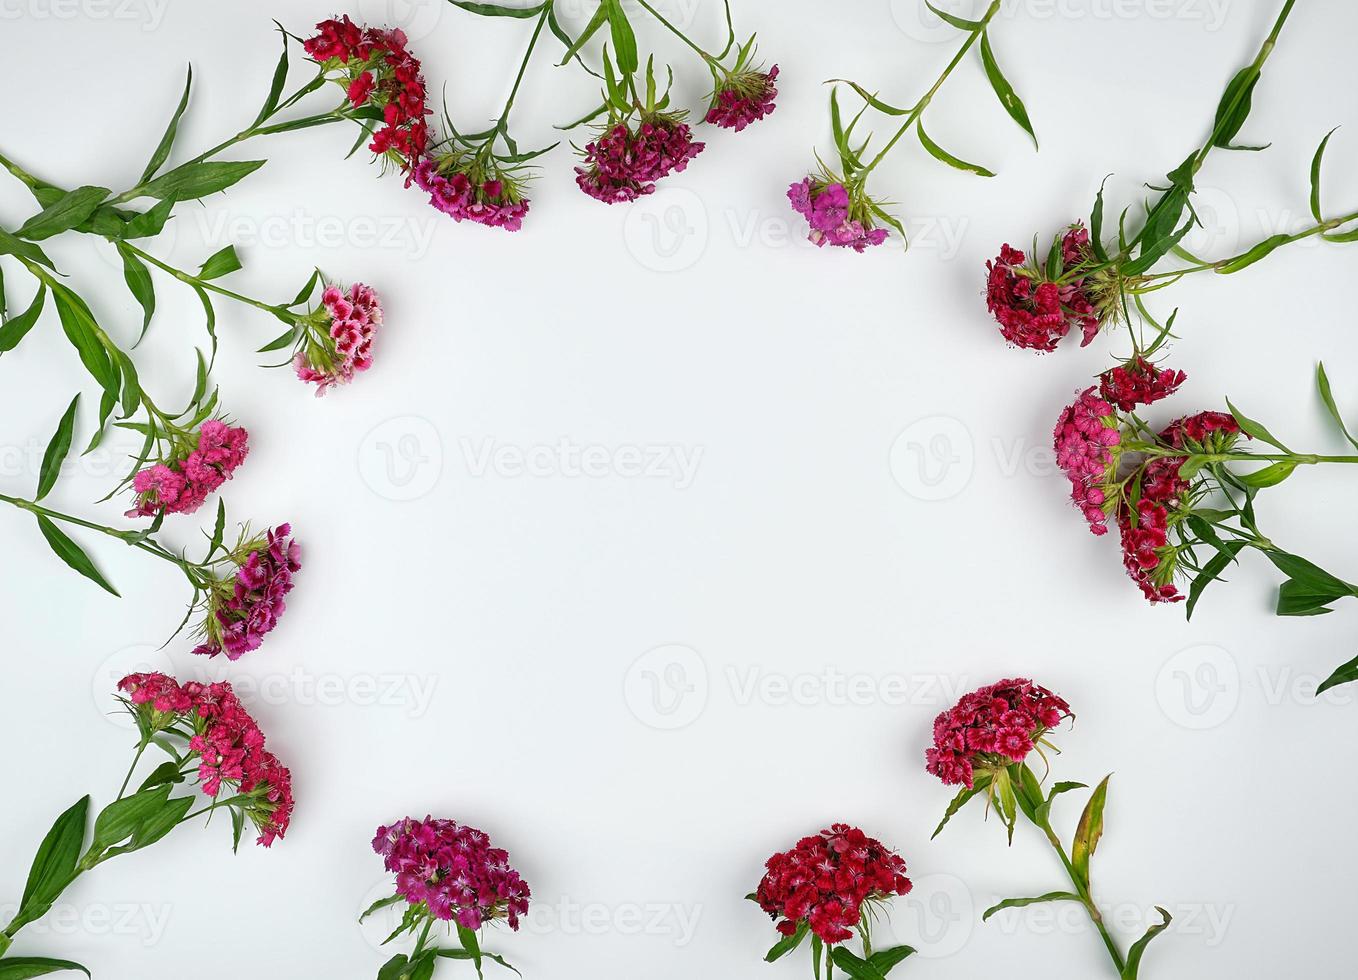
(938, 153)
(151, 222)
(787, 944)
(1234, 108)
(1210, 572)
(1004, 91)
(591, 28)
(1089, 831)
(1259, 251)
(1326, 396)
(54, 865)
(883, 107)
(961, 23)
(380, 904)
(27, 967)
(280, 79)
(960, 800)
(69, 552)
(1315, 178)
(495, 10)
(1138, 950)
(1343, 674)
(220, 263)
(57, 448)
(138, 279)
(68, 211)
(9, 245)
(624, 40)
(884, 959)
(855, 966)
(83, 332)
(394, 968)
(1254, 429)
(1018, 903)
(191, 181)
(1269, 476)
(162, 150)
(16, 328)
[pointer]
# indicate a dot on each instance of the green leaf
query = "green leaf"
(16, 328)
(280, 78)
(1327, 396)
(9, 245)
(220, 263)
(1256, 253)
(787, 944)
(1209, 573)
(380, 904)
(54, 864)
(855, 966)
(1007, 96)
(134, 818)
(979, 786)
(138, 279)
(1254, 429)
(1309, 589)
(68, 211)
(1234, 108)
(961, 23)
(1138, 950)
(69, 552)
(469, 942)
(25, 967)
(871, 99)
(624, 40)
(394, 968)
(1044, 809)
(495, 10)
(1269, 476)
(1343, 674)
(1315, 178)
(194, 180)
(1018, 903)
(162, 150)
(592, 28)
(1088, 831)
(57, 448)
(884, 959)
(83, 333)
(938, 153)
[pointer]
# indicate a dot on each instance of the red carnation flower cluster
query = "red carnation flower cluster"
(825, 880)
(745, 97)
(454, 871)
(1086, 439)
(378, 70)
(180, 486)
(990, 728)
(624, 164)
(1138, 382)
(228, 742)
(1146, 552)
(243, 608)
(1034, 312)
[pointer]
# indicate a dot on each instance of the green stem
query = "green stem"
(20, 173)
(502, 124)
(918, 110)
(1081, 889)
(678, 33)
(141, 748)
(207, 284)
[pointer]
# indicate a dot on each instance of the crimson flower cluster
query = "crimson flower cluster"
(825, 880)
(377, 70)
(181, 485)
(494, 202)
(453, 871)
(244, 607)
(991, 728)
(1138, 382)
(744, 97)
(337, 339)
(624, 163)
(227, 741)
(1034, 311)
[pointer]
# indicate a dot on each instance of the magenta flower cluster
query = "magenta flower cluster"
(1085, 438)
(180, 486)
(992, 726)
(624, 164)
(826, 207)
(242, 609)
(344, 346)
(453, 870)
(487, 203)
(745, 98)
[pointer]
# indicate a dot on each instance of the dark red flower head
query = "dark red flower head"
(1035, 312)
(1138, 382)
(992, 727)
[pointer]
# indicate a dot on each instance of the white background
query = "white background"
(874, 496)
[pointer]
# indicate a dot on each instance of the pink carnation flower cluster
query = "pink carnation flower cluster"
(827, 208)
(744, 98)
(824, 881)
(1036, 313)
(228, 742)
(1146, 551)
(182, 485)
(490, 203)
(453, 870)
(990, 728)
(242, 609)
(1086, 439)
(624, 164)
(341, 345)
(1138, 382)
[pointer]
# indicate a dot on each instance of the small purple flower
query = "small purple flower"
(243, 608)
(829, 209)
